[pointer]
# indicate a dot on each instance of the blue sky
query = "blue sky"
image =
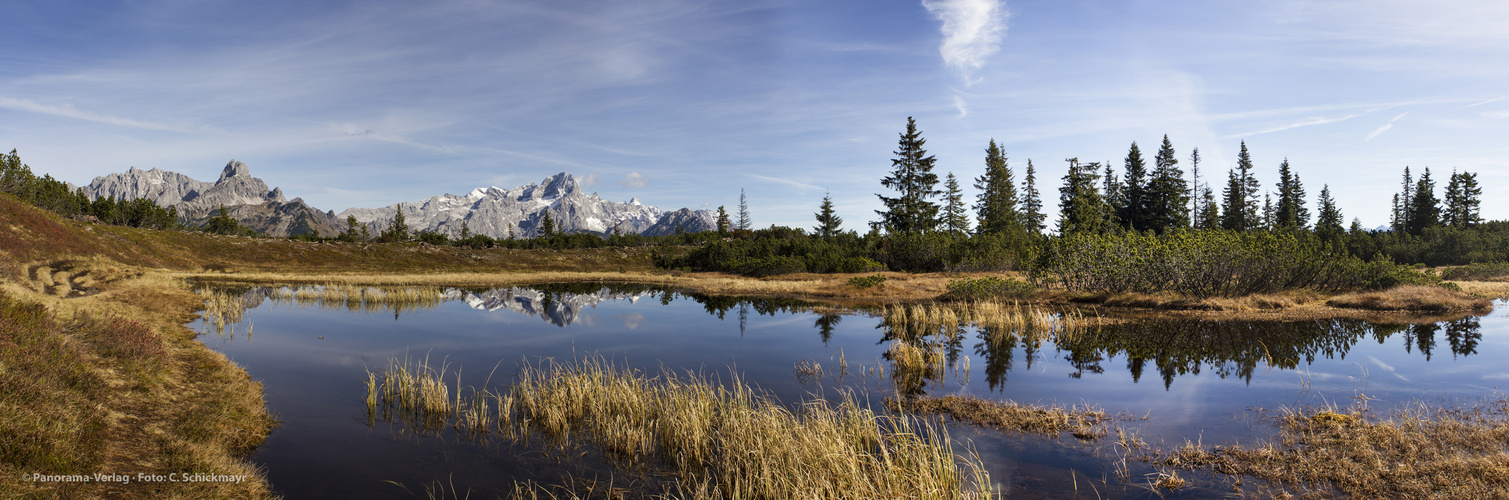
(683, 103)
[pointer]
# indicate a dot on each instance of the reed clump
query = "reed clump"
(1412, 298)
(360, 298)
(1419, 451)
(1082, 422)
(928, 318)
(716, 441)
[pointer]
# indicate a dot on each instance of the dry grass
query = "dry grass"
(1494, 289)
(946, 318)
(715, 441)
(1086, 423)
(1412, 298)
(1417, 452)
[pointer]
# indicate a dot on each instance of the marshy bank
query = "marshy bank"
(1190, 379)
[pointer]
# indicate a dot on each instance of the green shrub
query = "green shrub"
(863, 282)
(860, 265)
(1211, 263)
(771, 266)
(1481, 271)
(987, 288)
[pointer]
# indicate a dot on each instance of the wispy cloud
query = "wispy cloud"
(802, 185)
(972, 31)
(68, 111)
(1385, 127)
(962, 106)
(634, 180)
(1316, 120)
(591, 180)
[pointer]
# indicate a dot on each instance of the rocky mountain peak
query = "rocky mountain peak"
(560, 185)
(233, 169)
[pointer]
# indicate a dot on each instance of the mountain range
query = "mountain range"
(491, 211)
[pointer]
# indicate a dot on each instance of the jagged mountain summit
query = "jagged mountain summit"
(520, 212)
(492, 211)
(245, 198)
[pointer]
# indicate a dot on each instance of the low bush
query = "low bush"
(871, 281)
(987, 288)
(1482, 271)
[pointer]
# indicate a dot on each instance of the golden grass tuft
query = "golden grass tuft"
(723, 441)
(1085, 423)
(1412, 298)
(1415, 452)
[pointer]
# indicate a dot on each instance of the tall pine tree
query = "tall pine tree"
(828, 221)
(723, 224)
(1195, 190)
(1032, 202)
(1210, 211)
(955, 218)
(1290, 213)
(996, 204)
(1463, 198)
(1239, 208)
(1402, 208)
(1132, 208)
(1082, 209)
(1167, 195)
(744, 222)
(1425, 209)
(913, 178)
(1328, 217)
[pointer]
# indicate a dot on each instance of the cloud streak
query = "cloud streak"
(68, 111)
(634, 180)
(802, 185)
(972, 31)
(1385, 127)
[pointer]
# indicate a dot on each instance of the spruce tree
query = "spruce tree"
(547, 226)
(398, 230)
(1402, 208)
(1328, 219)
(351, 231)
(1132, 207)
(466, 230)
(1425, 210)
(1082, 209)
(996, 204)
(1195, 189)
(1239, 208)
(1032, 202)
(1210, 211)
(828, 222)
(722, 221)
(1462, 201)
(912, 176)
(1290, 213)
(1268, 216)
(955, 218)
(1111, 193)
(1167, 195)
(744, 222)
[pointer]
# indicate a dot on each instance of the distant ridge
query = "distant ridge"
(490, 211)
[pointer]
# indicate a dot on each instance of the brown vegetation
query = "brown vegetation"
(1081, 422)
(1412, 298)
(714, 441)
(1417, 452)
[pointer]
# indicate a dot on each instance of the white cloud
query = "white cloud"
(962, 106)
(1317, 120)
(590, 180)
(634, 180)
(68, 111)
(1385, 127)
(802, 185)
(972, 31)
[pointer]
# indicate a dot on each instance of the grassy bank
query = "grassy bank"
(692, 436)
(1421, 451)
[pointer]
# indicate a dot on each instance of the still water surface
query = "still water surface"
(1208, 381)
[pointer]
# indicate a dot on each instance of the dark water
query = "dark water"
(1202, 381)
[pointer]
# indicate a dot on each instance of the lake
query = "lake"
(1215, 382)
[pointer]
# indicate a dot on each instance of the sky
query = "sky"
(686, 103)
